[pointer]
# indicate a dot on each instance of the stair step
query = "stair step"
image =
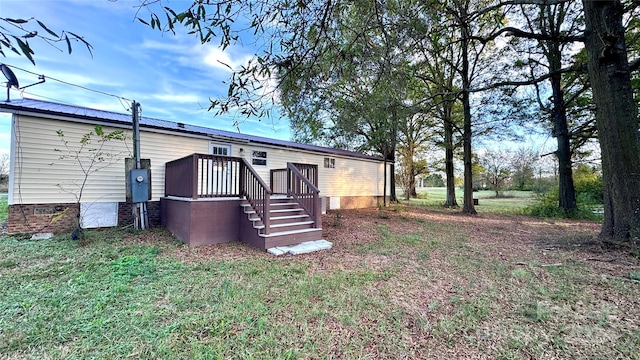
(291, 224)
(288, 217)
(290, 232)
(251, 212)
(285, 210)
(283, 203)
(278, 203)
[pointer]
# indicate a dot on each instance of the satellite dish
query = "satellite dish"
(8, 73)
(12, 80)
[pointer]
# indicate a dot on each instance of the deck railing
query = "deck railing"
(304, 192)
(203, 176)
(207, 176)
(278, 181)
(279, 178)
(257, 193)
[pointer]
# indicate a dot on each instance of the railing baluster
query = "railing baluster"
(304, 192)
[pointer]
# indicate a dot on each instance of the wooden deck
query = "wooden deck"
(212, 199)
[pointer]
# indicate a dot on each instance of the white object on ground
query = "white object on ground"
(302, 248)
(42, 236)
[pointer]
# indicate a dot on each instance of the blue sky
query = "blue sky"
(172, 76)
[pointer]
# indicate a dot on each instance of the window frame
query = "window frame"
(329, 163)
(258, 160)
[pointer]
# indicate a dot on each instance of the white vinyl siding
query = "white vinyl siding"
(350, 177)
(38, 168)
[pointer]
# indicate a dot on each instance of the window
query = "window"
(219, 149)
(330, 163)
(258, 157)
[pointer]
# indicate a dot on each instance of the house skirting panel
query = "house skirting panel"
(354, 202)
(202, 221)
(62, 218)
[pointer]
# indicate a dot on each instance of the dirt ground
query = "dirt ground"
(504, 237)
(518, 245)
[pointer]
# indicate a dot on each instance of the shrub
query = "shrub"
(547, 206)
(590, 190)
(588, 184)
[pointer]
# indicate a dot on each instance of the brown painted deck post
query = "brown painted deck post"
(267, 210)
(317, 209)
(242, 188)
(194, 176)
(315, 176)
(271, 179)
(288, 179)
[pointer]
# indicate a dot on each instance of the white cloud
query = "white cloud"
(219, 59)
(177, 98)
(164, 46)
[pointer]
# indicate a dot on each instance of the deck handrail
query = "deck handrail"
(203, 176)
(279, 177)
(257, 193)
(305, 193)
(174, 180)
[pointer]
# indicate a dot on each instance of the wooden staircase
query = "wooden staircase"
(289, 224)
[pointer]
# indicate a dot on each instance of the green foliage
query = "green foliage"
(547, 206)
(15, 35)
(4, 208)
(433, 180)
(522, 162)
(588, 184)
(544, 185)
(589, 196)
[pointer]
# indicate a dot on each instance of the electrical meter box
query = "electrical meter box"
(139, 182)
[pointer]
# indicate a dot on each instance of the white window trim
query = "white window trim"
(213, 145)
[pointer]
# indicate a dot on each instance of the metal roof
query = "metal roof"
(34, 107)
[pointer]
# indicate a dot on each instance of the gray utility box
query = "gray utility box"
(139, 184)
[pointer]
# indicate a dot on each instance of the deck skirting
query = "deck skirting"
(202, 221)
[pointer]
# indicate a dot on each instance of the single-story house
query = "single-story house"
(206, 185)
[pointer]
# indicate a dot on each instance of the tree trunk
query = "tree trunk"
(391, 155)
(467, 207)
(616, 118)
(392, 186)
(407, 171)
(448, 163)
(566, 193)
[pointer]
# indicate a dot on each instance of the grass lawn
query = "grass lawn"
(512, 202)
(403, 284)
(3, 207)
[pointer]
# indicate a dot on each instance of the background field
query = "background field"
(512, 202)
